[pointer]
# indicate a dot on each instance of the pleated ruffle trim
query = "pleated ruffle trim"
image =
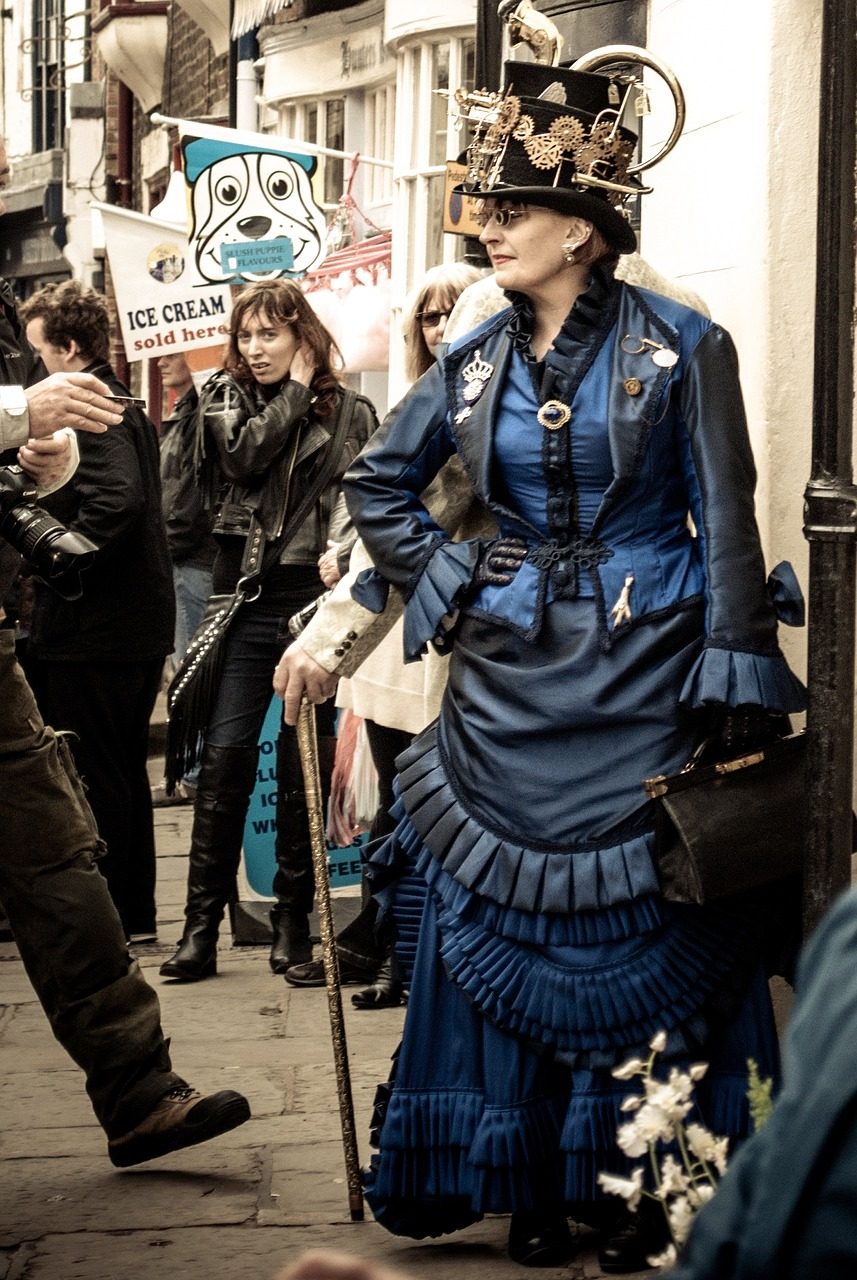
(449, 569)
(735, 678)
(595, 1015)
(516, 877)
(599, 988)
(447, 1157)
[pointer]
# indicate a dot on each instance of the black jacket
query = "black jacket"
(269, 451)
(127, 610)
(188, 523)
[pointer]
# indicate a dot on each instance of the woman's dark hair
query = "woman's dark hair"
(283, 303)
(71, 311)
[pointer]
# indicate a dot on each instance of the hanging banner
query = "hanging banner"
(253, 210)
(160, 308)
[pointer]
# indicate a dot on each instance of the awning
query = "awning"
(249, 14)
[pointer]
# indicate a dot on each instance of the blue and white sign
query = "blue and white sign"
(260, 832)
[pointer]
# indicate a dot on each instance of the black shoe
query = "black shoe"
(633, 1238)
(291, 944)
(195, 959)
(386, 992)
(312, 974)
(182, 1118)
(540, 1239)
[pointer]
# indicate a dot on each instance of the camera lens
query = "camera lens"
(47, 545)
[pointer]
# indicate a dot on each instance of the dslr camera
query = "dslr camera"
(55, 553)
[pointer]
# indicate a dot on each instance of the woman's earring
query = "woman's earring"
(569, 251)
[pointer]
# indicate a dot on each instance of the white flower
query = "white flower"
(706, 1147)
(680, 1214)
(631, 1140)
(651, 1124)
(630, 1189)
(673, 1180)
(633, 1067)
(689, 1172)
(670, 1097)
(666, 1259)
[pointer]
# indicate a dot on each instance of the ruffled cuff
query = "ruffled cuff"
(436, 595)
(786, 595)
(371, 590)
(734, 678)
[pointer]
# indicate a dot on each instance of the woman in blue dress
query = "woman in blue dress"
(593, 643)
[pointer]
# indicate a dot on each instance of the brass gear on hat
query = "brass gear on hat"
(568, 131)
(544, 151)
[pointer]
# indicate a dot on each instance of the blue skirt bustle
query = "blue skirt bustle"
(534, 968)
(502, 1096)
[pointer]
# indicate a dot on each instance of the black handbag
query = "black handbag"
(193, 689)
(734, 825)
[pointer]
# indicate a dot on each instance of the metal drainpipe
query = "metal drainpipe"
(489, 46)
(830, 520)
(124, 185)
(247, 51)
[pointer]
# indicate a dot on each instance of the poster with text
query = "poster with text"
(160, 308)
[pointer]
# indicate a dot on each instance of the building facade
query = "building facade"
(732, 213)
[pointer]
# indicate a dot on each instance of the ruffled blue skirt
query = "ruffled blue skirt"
(536, 947)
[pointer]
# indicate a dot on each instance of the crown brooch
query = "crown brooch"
(476, 375)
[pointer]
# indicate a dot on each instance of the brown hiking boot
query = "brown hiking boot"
(182, 1118)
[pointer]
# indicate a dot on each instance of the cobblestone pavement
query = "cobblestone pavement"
(240, 1207)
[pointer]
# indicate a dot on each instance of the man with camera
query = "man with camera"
(68, 932)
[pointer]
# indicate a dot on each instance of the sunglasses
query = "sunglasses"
(431, 319)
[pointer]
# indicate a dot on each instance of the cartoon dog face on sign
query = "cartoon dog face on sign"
(254, 196)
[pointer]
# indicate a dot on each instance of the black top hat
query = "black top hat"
(552, 137)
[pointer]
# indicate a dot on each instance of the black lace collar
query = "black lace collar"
(592, 314)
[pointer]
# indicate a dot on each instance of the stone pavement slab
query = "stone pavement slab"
(238, 1208)
(259, 1253)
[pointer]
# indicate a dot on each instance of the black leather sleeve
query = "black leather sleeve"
(383, 485)
(721, 478)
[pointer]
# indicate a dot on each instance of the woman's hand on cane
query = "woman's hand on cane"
(297, 675)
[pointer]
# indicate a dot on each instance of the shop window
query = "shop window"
(47, 52)
(427, 73)
(323, 123)
(380, 132)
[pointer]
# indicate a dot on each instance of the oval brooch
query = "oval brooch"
(553, 414)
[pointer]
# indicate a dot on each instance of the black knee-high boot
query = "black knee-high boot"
(226, 779)
(294, 882)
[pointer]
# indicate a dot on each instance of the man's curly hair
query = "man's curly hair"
(72, 311)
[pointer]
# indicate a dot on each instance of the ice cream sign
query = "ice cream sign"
(159, 304)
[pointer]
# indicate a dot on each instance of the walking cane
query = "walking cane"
(308, 745)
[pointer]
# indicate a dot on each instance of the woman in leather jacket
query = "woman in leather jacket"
(266, 423)
(591, 643)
